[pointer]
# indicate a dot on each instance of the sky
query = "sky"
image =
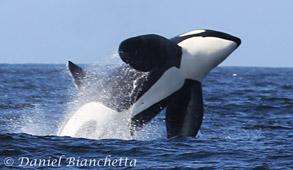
(90, 31)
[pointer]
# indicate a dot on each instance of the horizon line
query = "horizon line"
(117, 64)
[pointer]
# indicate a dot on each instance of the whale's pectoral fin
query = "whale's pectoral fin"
(146, 52)
(77, 73)
(185, 111)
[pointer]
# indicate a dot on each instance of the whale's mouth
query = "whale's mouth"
(211, 33)
(207, 33)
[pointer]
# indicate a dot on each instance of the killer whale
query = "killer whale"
(162, 73)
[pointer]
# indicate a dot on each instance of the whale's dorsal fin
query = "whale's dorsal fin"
(77, 73)
(147, 52)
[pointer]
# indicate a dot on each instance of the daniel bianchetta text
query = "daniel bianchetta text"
(70, 161)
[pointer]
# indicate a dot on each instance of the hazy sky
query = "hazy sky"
(90, 31)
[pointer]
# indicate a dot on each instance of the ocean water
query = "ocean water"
(248, 124)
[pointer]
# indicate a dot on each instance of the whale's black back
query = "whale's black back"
(120, 86)
(118, 89)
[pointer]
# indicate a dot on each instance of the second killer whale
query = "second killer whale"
(161, 73)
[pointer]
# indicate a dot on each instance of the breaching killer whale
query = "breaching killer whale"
(173, 70)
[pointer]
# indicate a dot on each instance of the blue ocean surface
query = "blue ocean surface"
(248, 124)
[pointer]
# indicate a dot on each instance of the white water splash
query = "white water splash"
(93, 120)
(83, 116)
(36, 121)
